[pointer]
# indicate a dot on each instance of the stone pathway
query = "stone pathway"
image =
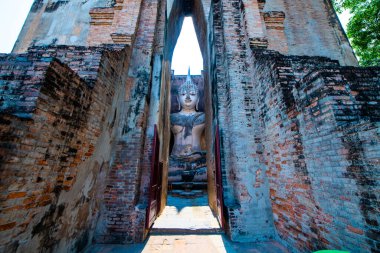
(188, 226)
(186, 214)
(190, 244)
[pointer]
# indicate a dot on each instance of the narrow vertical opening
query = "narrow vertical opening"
(187, 204)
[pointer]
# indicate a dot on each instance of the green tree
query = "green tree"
(363, 29)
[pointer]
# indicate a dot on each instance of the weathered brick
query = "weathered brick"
(16, 195)
(7, 226)
(355, 230)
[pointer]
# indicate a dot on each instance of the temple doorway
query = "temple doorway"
(189, 199)
(187, 208)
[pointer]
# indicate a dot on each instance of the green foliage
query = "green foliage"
(363, 29)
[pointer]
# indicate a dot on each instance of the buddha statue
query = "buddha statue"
(187, 156)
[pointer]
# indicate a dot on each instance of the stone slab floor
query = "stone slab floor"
(188, 226)
(190, 244)
(186, 214)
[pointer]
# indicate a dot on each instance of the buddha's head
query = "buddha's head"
(188, 95)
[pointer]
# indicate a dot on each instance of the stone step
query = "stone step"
(187, 194)
(186, 231)
(188, 185)
(193, 183)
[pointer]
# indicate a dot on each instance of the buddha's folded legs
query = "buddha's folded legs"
(187, 171)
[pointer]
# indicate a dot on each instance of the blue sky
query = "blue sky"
(187, 53)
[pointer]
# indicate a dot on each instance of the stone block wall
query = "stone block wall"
(317, 118)
(291, 27)
(343, 161)
(265, 170)
(127, 190)
(311, 28)
(115, 24)
(56, 131)
(60, 22)
(246, 195)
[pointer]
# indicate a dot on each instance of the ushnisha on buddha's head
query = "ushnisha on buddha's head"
(188, 96)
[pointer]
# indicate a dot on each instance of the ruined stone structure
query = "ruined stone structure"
(88, 81)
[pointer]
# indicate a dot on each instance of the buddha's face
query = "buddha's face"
(188, 99)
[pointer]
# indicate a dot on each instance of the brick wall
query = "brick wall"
(343, 160)
(55, 145)
(291, 27)
(246, 194)
(116, 24)
(313, 153)
(311, 28)
(127, 191)
(57, 22)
